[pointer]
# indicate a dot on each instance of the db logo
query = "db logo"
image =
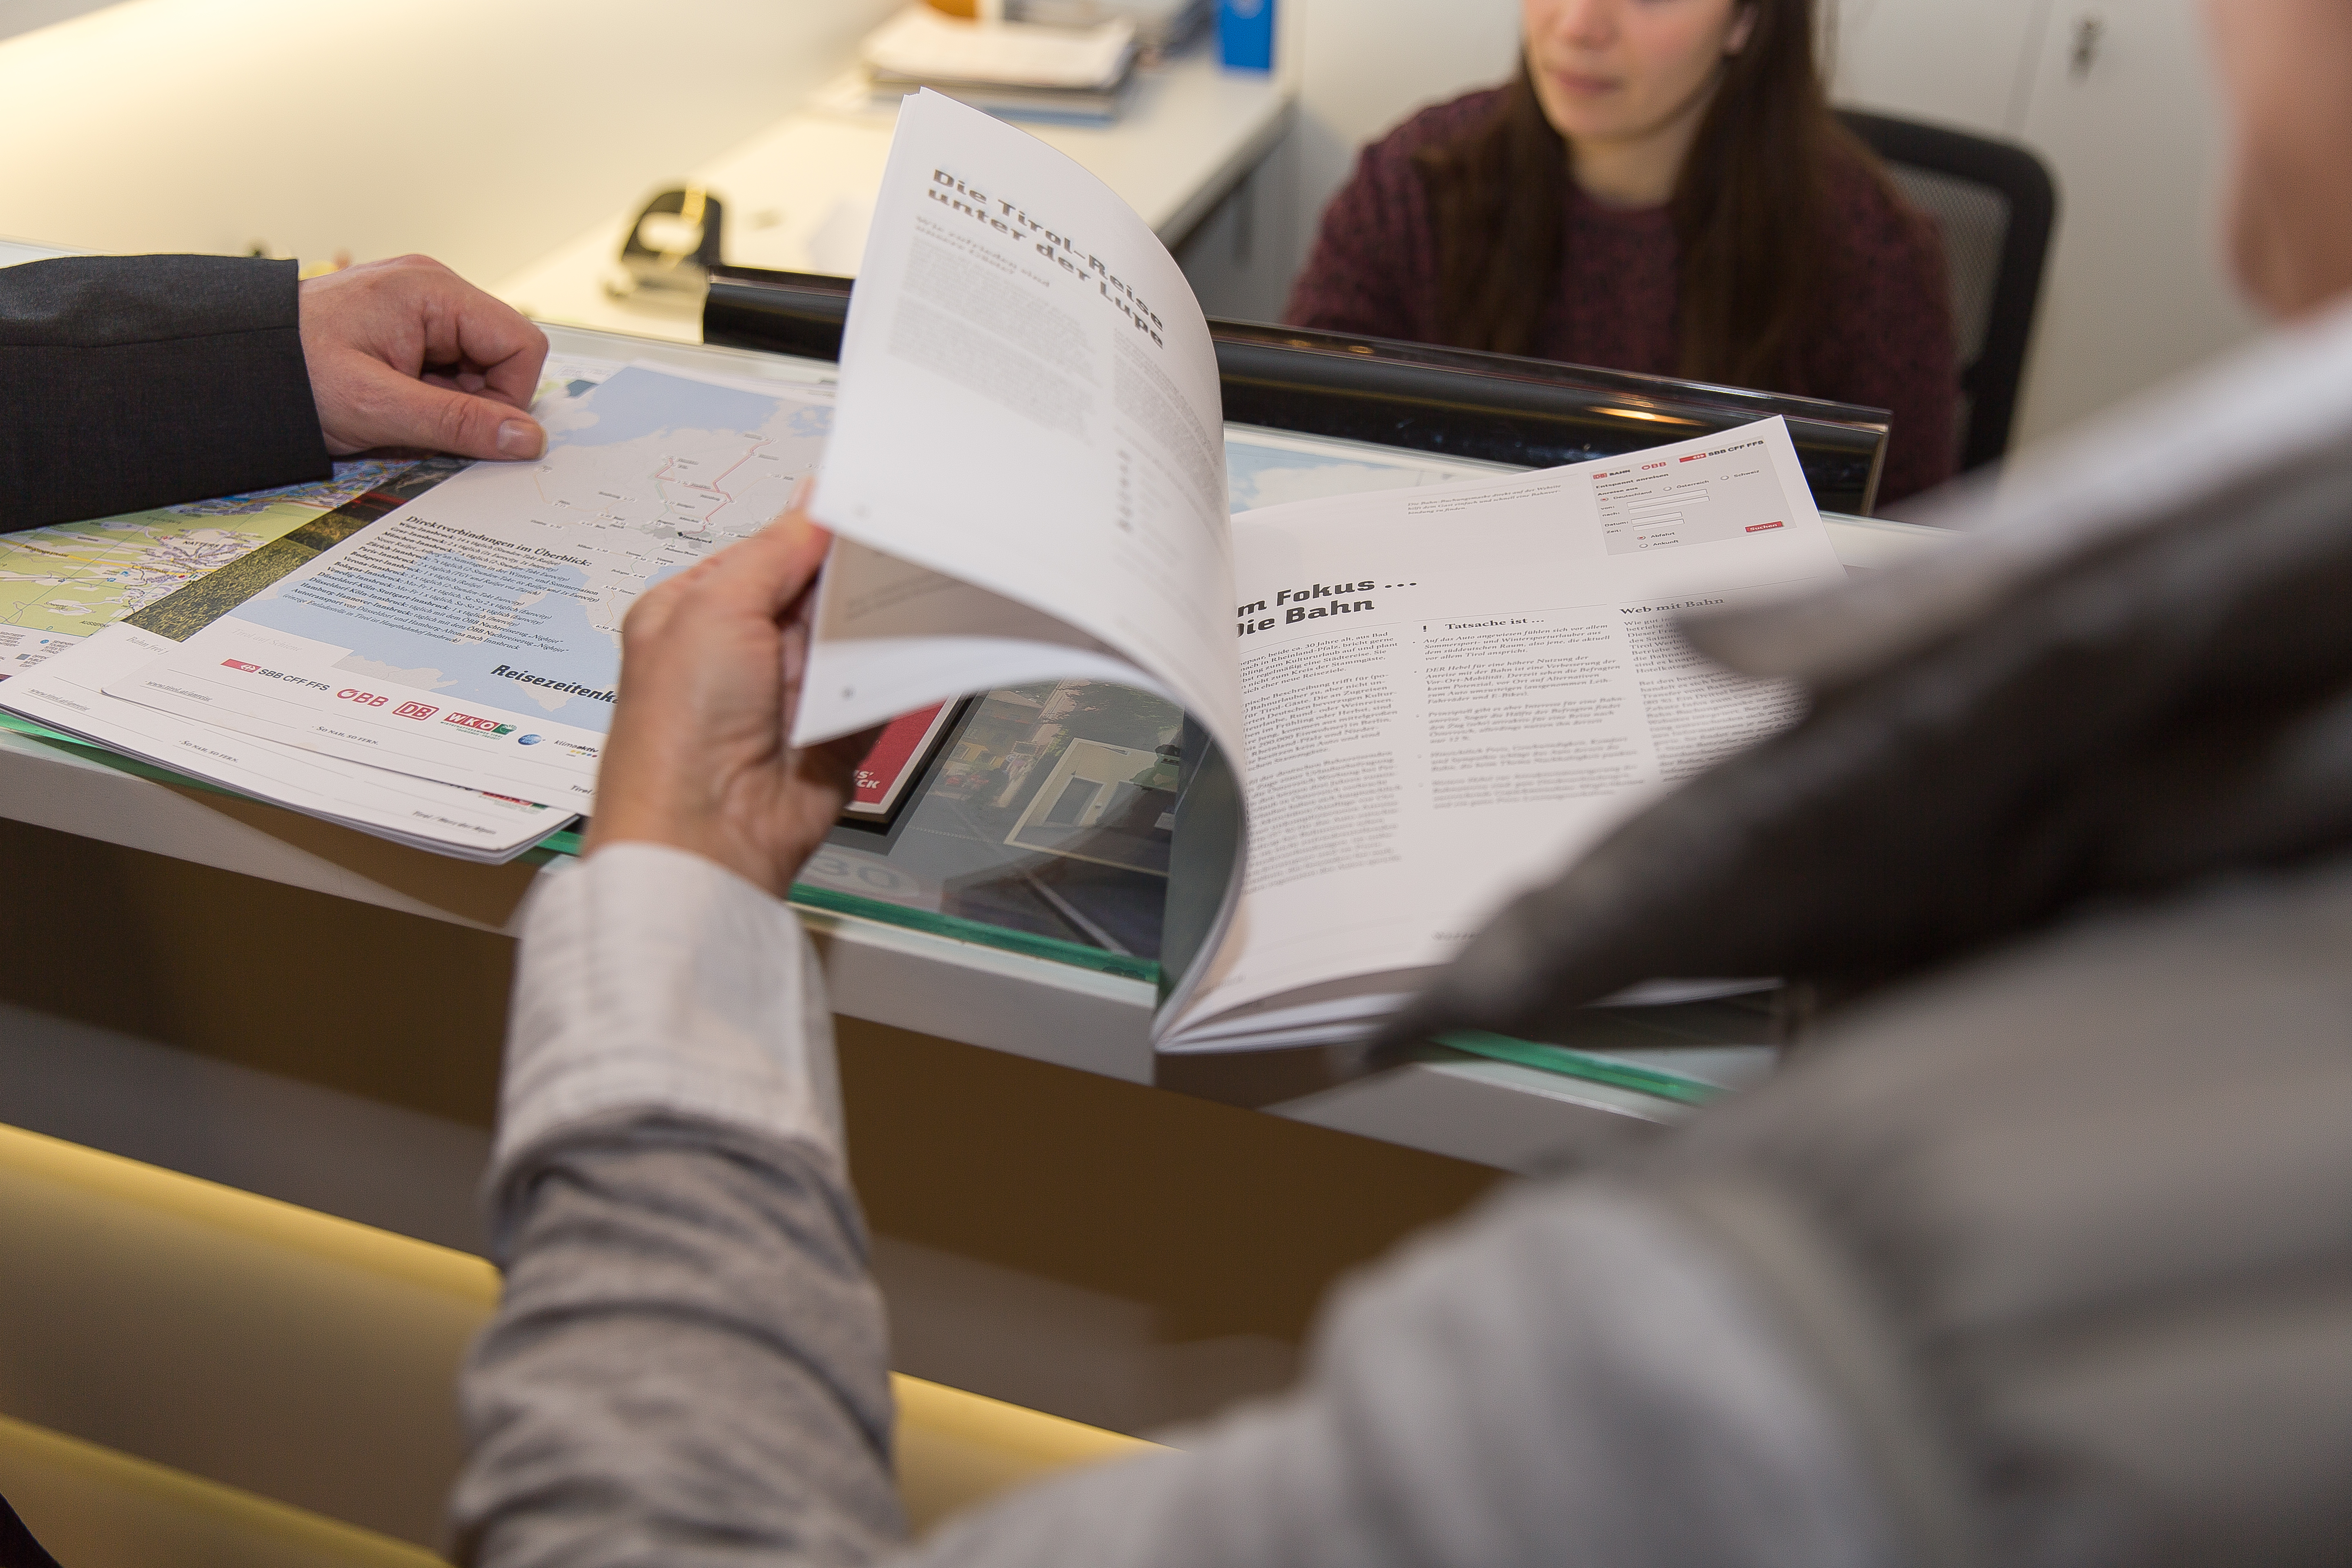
(413, 710)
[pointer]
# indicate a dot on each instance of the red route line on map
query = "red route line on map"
(738, 463)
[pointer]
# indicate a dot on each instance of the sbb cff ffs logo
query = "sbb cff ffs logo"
(487, 726)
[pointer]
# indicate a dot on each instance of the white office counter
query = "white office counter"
(1493, 1113)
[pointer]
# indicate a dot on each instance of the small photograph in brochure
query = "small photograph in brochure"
(1112, 804)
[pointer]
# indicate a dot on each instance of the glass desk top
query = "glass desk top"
(1041, 826)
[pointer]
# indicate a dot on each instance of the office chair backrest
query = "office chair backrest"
(1996, 204)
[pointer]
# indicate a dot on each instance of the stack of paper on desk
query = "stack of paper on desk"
(435, 664)
(1160, 24)
(1005, 68)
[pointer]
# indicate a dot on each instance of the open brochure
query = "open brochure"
(1418, 701)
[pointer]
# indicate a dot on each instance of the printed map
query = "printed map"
(506, 586)
(60, 584)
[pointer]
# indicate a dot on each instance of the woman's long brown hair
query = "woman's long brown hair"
(1746, 208)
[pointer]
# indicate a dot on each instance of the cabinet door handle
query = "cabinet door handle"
(2088, 32)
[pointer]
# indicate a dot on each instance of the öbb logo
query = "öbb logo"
(364, 698)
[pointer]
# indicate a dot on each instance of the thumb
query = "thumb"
(389, 409)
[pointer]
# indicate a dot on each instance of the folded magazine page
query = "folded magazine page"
(1026, 464)
(1026, 474)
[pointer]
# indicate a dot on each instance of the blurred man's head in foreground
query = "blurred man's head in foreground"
(2286, 78)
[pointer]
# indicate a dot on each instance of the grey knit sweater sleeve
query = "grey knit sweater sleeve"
(688, 1366)
(689, 1369)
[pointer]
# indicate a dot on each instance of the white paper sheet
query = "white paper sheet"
(65, 693)
(1452, 690)
(1029, 409)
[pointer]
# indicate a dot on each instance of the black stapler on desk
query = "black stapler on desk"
(674, 245)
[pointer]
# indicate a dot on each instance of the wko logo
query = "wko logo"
(487, 726)
(414, 711)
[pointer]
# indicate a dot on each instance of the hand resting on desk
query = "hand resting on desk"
(710, 674)
(405, 352)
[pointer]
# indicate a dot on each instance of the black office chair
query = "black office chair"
(1996, 203)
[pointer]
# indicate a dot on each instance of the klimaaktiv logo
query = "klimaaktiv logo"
(470, 722)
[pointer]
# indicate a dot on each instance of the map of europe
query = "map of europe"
(531, 567)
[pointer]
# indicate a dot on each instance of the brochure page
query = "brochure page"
(1452, 690)
(473, 635)
(1026, 468)
(67, 693)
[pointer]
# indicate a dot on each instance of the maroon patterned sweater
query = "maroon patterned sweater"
(1885, 340)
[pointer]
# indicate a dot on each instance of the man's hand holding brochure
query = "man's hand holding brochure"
(1407, 703)
(1428, 697)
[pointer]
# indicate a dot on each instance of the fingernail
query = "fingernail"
(522, 438)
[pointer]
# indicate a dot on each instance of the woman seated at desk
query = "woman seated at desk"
(1662, 188)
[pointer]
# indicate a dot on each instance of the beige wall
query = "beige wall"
(484, 131)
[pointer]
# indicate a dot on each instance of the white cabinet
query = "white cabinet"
(1961, 63)
(2116, 96)
(2123, 105)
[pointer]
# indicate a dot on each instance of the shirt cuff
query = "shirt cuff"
(651, 981)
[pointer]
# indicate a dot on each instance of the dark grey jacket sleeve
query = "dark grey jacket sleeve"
(133, 382)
